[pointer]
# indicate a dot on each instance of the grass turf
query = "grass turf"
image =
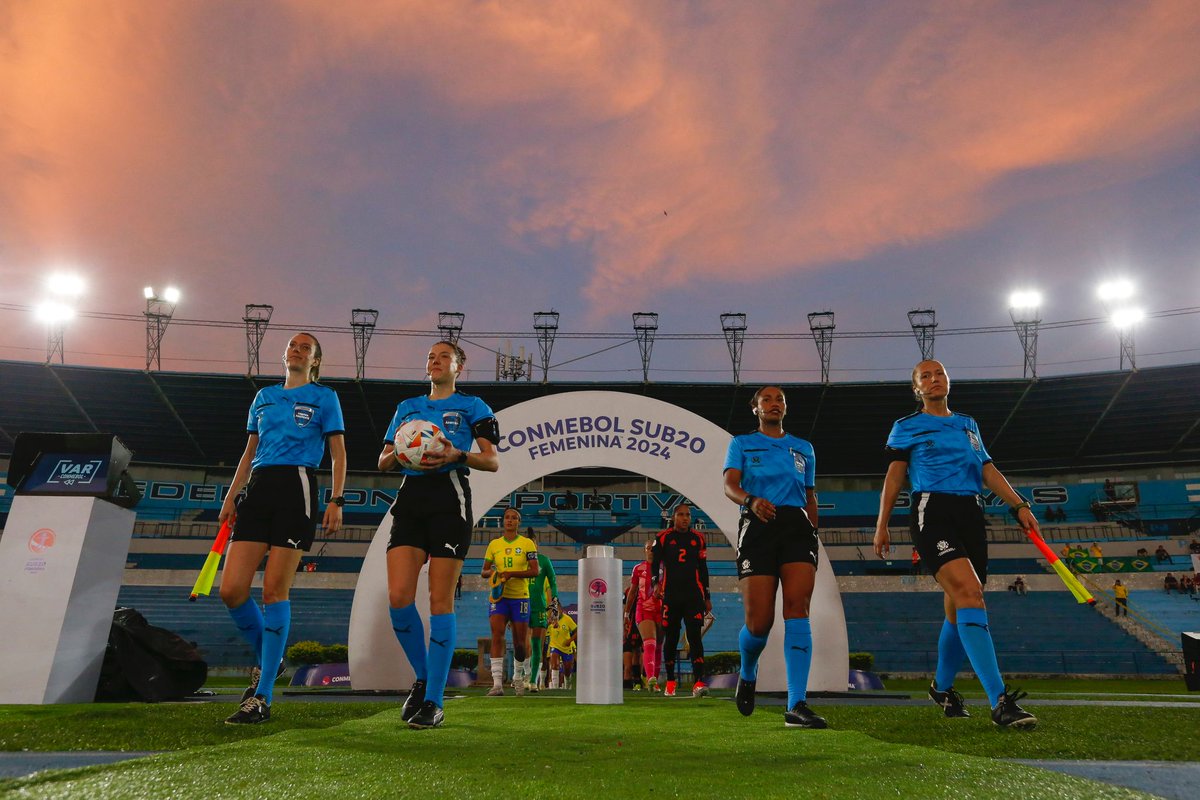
(649, 746)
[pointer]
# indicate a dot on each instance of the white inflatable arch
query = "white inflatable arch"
(597, 429)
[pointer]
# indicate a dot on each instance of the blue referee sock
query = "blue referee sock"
(249, 620)
(277, 621)
(442, 630)
(407, 625)
(950, 656)
(797, 656)
(750, 647)
(977, 641)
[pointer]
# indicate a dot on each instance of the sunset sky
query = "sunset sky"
(602, 158)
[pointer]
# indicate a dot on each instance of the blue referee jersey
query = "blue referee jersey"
(944, 454)
(292, 424)
(456, 415)
(778, 470)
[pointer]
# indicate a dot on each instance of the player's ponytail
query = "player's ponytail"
(314, 372)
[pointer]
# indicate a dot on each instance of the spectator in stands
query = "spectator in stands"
(431, 520)
(942, 455)
(290, 424)
(1194, 546)
(1186, 585)
(916, 561)
(643, 605)
(1170, 583)
(510, 561)
(1143, 552)
(1019, 586)
(1161, 555)
(771, 474)
(1121, 595)
(1110, 491)
(1095, 551)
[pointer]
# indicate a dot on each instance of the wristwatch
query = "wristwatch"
(338, 501)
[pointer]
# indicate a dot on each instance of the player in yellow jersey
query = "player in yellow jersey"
(562, 631)
(513, 559)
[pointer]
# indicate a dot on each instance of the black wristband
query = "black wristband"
(338, 501)
(462, 457)
(749, 501)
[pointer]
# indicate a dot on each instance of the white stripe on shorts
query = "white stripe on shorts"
(921, 511)
(462, 499)
(304, 489)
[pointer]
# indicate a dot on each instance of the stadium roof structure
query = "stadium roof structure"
(1090, 422)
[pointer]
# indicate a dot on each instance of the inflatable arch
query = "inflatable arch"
(597, 429)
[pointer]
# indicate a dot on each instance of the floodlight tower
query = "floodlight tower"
(256, 318)
(362, 323)
(450, 324)
(734, 328)
(645, 324)
(822, 324)
(924, 324)
(545, 325)
(1025, 309)
(1116, 296)
(64, 290)
(159, 311)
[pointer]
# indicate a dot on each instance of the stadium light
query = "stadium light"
(56, 311)
(159, 311)
(1025, 309)
(1115, 291)
(1115, 295)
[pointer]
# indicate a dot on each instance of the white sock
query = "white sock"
(497, 673)
(554, 679)
(521, 670)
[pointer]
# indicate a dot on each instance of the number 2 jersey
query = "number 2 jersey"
(681, 562)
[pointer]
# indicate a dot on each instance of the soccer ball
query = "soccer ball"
(414, 440)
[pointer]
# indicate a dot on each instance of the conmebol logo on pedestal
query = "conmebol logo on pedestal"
(41, 541)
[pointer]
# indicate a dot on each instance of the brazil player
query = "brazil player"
(680, 558)
(643, 604)
(432, 521)
(563, 632)
(513, 558)
(771, 475)
(289, 426)
(543, 591)
(941, 454)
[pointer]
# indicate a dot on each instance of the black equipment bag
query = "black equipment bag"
(146, 663)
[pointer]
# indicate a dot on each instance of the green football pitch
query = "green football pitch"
(547, 746)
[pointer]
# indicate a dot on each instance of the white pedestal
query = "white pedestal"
(598, 680)
(61, 564)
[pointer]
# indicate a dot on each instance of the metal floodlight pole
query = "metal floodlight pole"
(158, 316)
(1026, 321)
(450, 324)
(545, 325)
(924, 323)
(257, 318)
(1125, 335)
(55, 332)
(645, 324)
(822, 324)
(362, 323)
(734, 328)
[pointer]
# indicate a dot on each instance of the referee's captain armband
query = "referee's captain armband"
(488, 429)
(896, 454)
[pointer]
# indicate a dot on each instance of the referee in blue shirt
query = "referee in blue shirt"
(289, 426)
(772, 476)
(942, 455)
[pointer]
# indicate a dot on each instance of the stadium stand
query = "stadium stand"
(1041, 632)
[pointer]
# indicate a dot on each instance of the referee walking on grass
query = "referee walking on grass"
(942, 455)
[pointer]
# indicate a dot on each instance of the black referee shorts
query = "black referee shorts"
(433, 513)
(763, 547)
(949, 526)
(280, 508)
